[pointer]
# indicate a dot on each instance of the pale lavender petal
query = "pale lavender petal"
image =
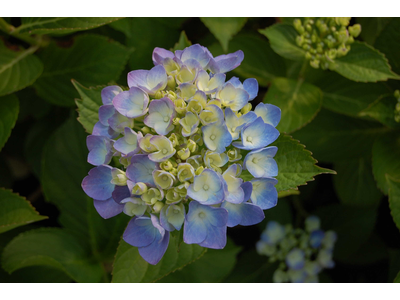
(106, 112)
(132, 103)
(230, 61)
(108, 93)
(141, 169)
(159, 54)
(99, 150)
(137, 78)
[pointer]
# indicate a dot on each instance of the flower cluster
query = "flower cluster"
(170, 151)
(325, 38)
(303, 253)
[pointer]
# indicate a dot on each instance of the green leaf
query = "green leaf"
(353, 226)
(251, 267)
(382, 110)
(260, 61)
(224, 28)
(365, 64)
(372, 28)
(299, 102)
(397, 279)
(64, 25)
(388, 42)
(355, 184)
(182, 43)
(91, 60)
(88, 105)
(334, 137)
(394, 198)
(296, 165)
(204, 269)
(385, 160)
(63, 169)
(282, 38)
(53, 247)
(129, 266)
(16, 211)
(144, 34)
(348, 97)
(9, 108)
(18, 69)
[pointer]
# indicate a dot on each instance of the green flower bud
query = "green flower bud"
(234, 155)
(332, 54)
(199, 170)
(175, 121)
(398, 107)
(172, 196)
(314, 63)
(157, 207)
(195, 161)
(158, 95)
(197, 139)
(171, 84)
(355, 30)
(194, 106)
(297, 25)
(183, 153)
(163, 179)
(185, 172)
(344, 21)
(144, 143)
(134, 206)
(397, 94)
(145, 130)
(191, 145)
(180, 106)
(246, 108)
(152, 196)
(118, 177)
(299, 40)
(166, 165)
(139, 188)
(308, 55)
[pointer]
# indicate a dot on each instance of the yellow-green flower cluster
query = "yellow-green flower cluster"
(325, 39)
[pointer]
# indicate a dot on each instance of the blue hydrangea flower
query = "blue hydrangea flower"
(303, 253)
(170, 150)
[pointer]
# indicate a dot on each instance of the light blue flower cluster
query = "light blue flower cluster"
(170, 151)
(303, 253)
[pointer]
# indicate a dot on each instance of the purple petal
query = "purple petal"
(108, 93)
(120, 193)
(137, 78)
(140, 232)
(159, 54)
(97, 184)
(99, 150)
(102, 130)
(108, 208)
(156, 250)
(106, 112)
(132, 103)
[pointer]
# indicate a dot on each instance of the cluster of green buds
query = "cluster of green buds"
(397, 109)
(325, 39)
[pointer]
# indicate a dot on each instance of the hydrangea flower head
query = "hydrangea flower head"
(303, 253)
(170, 151)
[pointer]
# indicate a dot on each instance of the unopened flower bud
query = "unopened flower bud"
(355, 30)
(157, 207)
(184, 153)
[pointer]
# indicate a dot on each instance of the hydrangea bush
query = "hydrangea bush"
(302, 254)
(182, 150)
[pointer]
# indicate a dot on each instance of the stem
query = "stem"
(10, 30)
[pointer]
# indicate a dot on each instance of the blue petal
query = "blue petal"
(108, 208)
(216, 237)
(245, 214)
(106, 112)
(264, 192)
(140, 232)
(104, 130)
(141, 169)
(99, 150)
(194, 230)
(250, 85)
(265, 165)
(316, 237)
(97, 184)
(295, 259)
(247, 188)
(271, 114)
(120, 193)
(156, 250)
(229, 61)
